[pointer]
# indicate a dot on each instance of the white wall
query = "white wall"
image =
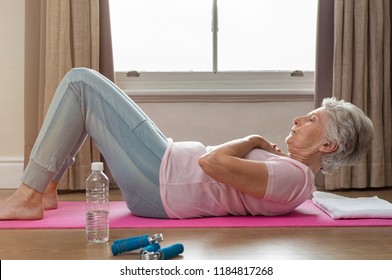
(11, 92)
(215, 123)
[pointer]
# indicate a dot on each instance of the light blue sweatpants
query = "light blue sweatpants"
(87, 103)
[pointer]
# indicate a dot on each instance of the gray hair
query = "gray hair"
(350, 129)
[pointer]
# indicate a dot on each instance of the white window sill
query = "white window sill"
(217, 87)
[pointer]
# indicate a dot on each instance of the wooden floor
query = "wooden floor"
(320, 243)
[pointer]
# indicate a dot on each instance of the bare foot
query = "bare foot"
(24, 204)
(50, 197)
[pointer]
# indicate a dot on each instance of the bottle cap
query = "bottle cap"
(97, 166)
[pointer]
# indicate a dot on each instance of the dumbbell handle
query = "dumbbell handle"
(129, 244)
(171, 251)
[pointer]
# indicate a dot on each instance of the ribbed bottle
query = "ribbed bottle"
(97, 205)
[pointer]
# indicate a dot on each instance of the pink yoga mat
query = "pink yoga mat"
(72, 215)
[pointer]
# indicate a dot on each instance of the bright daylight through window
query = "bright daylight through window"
(177, 35)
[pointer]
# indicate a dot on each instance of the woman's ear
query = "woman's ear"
(328, 147)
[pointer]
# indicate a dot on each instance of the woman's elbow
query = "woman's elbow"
(203, 161)
(207, 163)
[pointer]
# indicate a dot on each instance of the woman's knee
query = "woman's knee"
(79, 74)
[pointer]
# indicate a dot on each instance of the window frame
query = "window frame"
(257, 86)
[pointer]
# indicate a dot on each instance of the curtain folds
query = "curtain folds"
(73, 33)
(324, 60)
(324, 51)
(361, 75)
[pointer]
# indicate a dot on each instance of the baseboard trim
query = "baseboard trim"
(11, 170)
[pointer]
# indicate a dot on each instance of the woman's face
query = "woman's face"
(308, 133)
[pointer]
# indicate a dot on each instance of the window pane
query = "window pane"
(266, 34)
(171, 35)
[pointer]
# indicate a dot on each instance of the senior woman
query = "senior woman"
(164, 179)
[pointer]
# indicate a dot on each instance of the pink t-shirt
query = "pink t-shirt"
(187, 192)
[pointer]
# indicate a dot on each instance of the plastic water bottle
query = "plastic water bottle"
(97, 205)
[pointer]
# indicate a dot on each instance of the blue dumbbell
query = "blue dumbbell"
(164, 253)
(133, 243)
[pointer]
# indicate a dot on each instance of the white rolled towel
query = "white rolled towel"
(341, 207)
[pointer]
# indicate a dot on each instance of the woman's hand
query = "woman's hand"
(263, 144)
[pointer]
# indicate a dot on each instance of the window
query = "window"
(266, 35)
(194, 39)
(156, 35)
